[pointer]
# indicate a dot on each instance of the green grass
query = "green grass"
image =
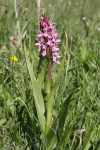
(74, 101)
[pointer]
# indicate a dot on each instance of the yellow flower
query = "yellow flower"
(14, 58)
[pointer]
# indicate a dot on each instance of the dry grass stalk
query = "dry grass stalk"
(16, 13)
(38, 9)
(3, 7)
(86, 26)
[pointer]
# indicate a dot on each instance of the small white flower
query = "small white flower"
(84, 18)
(82, 130)
(98, 29)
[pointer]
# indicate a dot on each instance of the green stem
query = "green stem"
(80, 138)
(83, 81)
(49, 71)
(12, 75)
(49, 79)
(48, 93)
(4, 103)
(48, 84)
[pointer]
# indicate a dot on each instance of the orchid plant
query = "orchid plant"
(48, 47)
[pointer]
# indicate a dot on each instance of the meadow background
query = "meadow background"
(77, 21)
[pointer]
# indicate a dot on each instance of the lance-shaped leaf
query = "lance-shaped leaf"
(51, 99)
(39, 102)
(64, 138)
(51, 136)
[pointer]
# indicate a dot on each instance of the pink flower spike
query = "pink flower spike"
(48, 40)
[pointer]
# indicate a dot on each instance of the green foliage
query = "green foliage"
(29, 119)
(39, 102)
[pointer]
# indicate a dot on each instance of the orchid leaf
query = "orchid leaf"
(39, 102)
(61, 118)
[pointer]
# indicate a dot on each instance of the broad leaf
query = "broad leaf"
(39, 102)
(61, 118)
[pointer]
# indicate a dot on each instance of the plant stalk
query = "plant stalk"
(49, 79)
(49, 71)
(12, 75)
